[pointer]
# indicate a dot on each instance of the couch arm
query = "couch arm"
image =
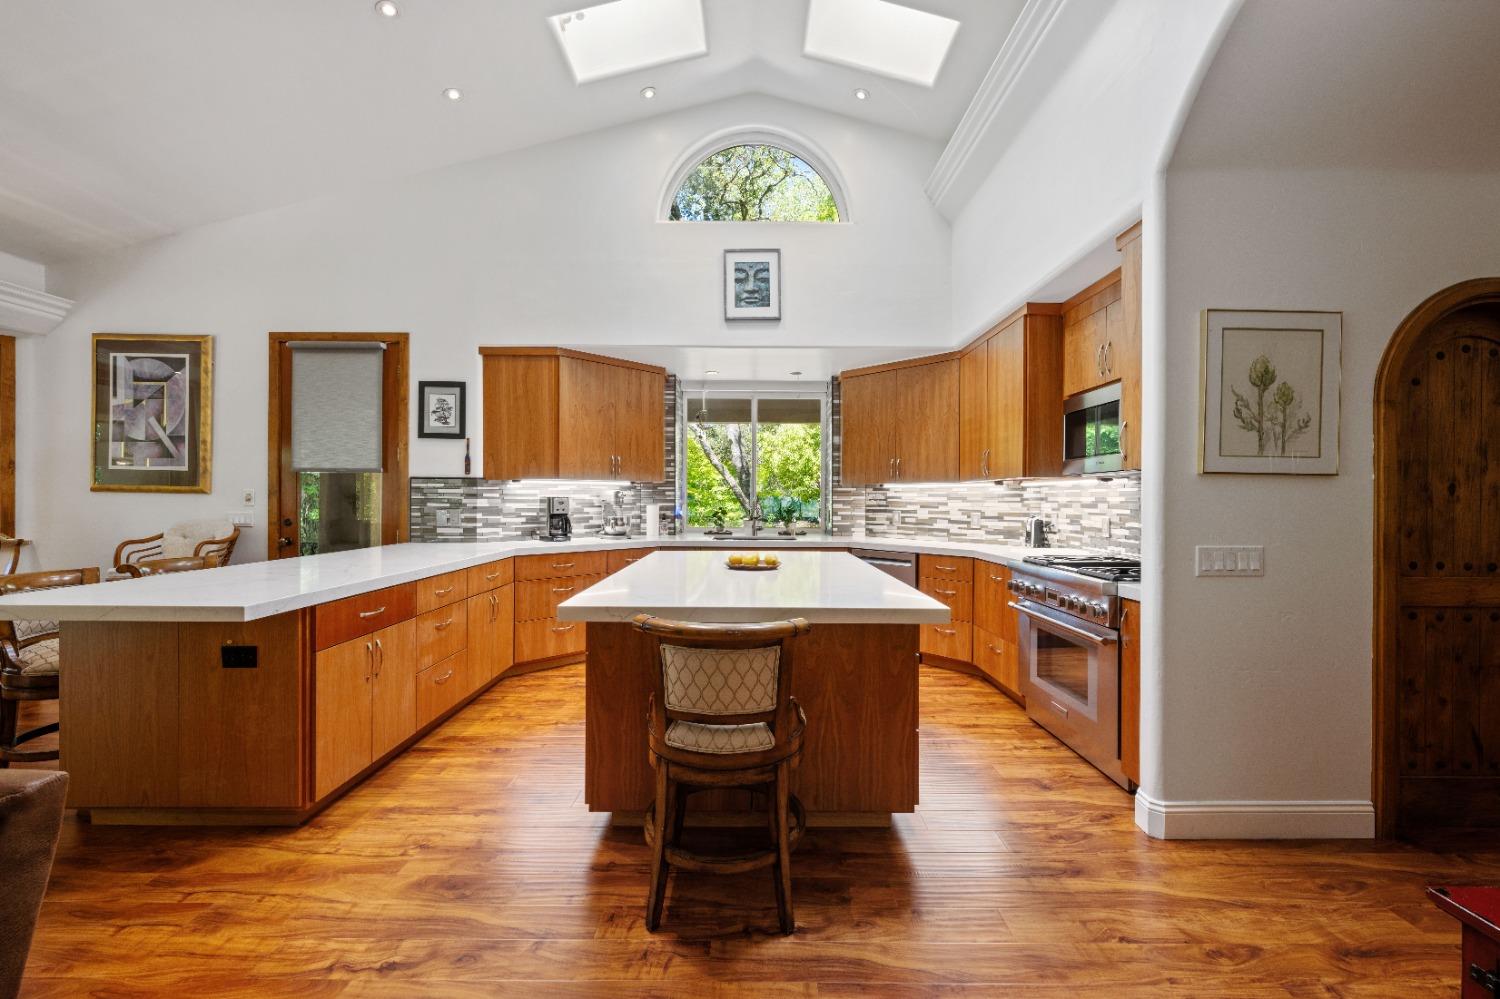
(31, 808)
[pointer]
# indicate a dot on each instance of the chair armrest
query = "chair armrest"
(40, 636)
(120, 548)
(129, 569)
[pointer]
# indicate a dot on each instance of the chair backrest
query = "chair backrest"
(724, 674)
(10, 554)
(46, 579)
(213, 535)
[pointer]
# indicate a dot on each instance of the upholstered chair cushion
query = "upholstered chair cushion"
(38, 658)
(25, 629)
(720, 681)
(31, 810)
(699, 738)
(181, 539)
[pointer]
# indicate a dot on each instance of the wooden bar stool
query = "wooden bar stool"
(29, 663)
(723, 716)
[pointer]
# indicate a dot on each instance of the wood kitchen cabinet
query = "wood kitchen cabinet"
(898, 420)
(1092, 322)
(364, 702)
(556, 413)
(996, 629)
(1130, 690)
(950, 582)
(1010, 397)
(492, 631)
(1128, 342)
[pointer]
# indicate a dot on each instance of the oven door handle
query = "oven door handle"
(1092, 637)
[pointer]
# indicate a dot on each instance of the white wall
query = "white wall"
(23, 272)
(1075, 173)
(1260, 689)
(557, 244)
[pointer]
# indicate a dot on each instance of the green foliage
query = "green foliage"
(754, 184)
(718, 472)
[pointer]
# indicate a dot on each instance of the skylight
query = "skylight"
(880, 36)
(622, 36)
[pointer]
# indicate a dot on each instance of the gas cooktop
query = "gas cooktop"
(1108, 567)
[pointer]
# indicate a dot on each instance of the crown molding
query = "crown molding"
(993, 95)
(26, 310)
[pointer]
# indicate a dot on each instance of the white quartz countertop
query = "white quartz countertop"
(822, 587)
(254, 590)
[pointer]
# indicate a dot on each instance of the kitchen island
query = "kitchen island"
(856, 675)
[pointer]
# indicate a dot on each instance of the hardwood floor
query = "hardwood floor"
(469, 867)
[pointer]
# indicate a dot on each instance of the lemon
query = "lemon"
(736, 560)
(772, 561)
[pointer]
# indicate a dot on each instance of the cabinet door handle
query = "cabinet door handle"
(996, 579)
(370, 655)
(984, 464)
(1109, 357)
(891, 469)
(569, 627)
(1099, 359)
(442, 592)
(494, 608)
(440, 627)
(898, 468)
(373, 613)
(1124, 425)
(379, 657)
(444, 678)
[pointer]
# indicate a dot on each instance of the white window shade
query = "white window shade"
(336, 406)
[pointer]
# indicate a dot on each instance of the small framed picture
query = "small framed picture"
(442, 409)
(1270, 392)
(752, 284)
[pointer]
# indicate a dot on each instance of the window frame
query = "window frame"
(806, 150)
(690, 392)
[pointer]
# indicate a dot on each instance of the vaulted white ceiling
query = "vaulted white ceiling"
(120, 122)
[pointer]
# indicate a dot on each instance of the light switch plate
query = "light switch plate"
(242, 518)
(1231, 560)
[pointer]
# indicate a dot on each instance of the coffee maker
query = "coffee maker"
(559, 524)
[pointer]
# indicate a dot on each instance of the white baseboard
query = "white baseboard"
(1255, 819)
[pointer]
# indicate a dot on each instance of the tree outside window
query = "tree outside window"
(746, 453)
(754, 183)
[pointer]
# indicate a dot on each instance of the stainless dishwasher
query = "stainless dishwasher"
(902, 565)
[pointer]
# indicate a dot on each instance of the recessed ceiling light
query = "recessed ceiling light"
(387, 8)
(648, 92)
(882, 37)
(622, 36)
(861, 94)
(796, 374)
(453, 94)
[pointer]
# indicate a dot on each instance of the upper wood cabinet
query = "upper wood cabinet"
(898, 422)
(1127, 341)
(1010, 399)
(555, 413)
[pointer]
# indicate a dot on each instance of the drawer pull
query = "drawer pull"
(373, 613)
(562, 589)
(563, 565)
(444, 678)
(440, 627)
(946, 568)
(1059, 708)
(443, 592)
(996, 579)
(948, 593)
(569, 627)
(995, 650)
(945, 631)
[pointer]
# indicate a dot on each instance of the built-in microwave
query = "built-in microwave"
(1091, 431)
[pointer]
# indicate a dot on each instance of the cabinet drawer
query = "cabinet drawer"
(951, 641)
(943, 567)
(619, 560)
(548, 637)
(997, 658)
(340, 620)
(440, 633)
(957, 594)
(440, 591)
(440, 686)
(992, 600)
(538, 598)
(490, 576)
(561, 564)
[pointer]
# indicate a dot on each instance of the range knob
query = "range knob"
(1100, 610)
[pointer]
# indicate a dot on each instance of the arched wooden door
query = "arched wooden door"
(1437, 630)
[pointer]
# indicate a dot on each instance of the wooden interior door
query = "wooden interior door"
(869, 428)
(1444, 409)
(927, 415)
(282, 490)
(588, 392)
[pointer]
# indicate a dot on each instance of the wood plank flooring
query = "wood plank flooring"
(470, 867)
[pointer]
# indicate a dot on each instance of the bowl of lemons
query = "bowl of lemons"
(753, 562)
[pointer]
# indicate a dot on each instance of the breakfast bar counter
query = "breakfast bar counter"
(856, 676)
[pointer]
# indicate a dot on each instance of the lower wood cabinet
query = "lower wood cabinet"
(951, 641)
(440, 633)
(1130, 689)
(996, 630)
(442, 685)
(492, 631)
(359, 715)
(949, 581)
(548, 638)
(629, 556)
(998, 659)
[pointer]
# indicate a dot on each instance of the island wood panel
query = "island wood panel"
(491, 575)
(442, 590)
(118, 706)
(856, 682)
(340, 620)
(241, 733)
(393, 697)
(1130, 690)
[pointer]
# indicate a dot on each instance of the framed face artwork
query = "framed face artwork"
(1270, 392)
(752, 284)
(442, 409)
(153, 413)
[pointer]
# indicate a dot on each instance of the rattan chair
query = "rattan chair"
(723, 716)
(194, 538)
(30, 663)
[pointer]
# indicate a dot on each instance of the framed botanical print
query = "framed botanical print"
(442, 409)
(752, 284)
(153, 413)
(1270, 392)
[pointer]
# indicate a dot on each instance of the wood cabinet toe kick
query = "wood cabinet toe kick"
(270, 721)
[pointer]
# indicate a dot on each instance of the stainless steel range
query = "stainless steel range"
(1070, 650)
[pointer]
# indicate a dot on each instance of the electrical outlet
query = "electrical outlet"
(249, 498)
(447, 518)
(1231, 560)
(974, 518)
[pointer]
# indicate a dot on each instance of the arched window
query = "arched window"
(753, 182)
